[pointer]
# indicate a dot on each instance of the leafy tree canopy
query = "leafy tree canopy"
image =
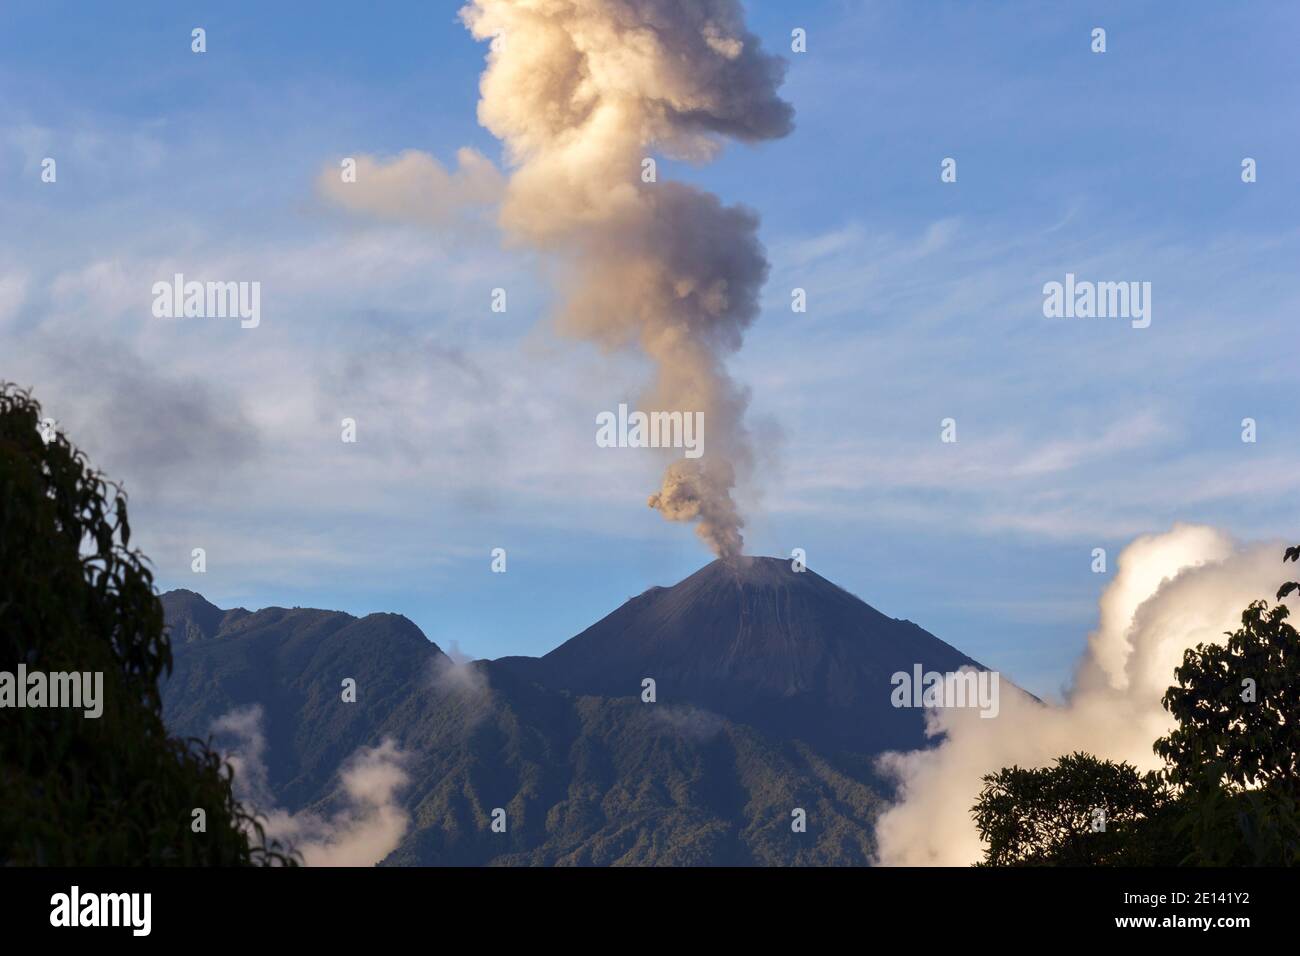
(1080, 812)
(76, 598)
(1230, 790)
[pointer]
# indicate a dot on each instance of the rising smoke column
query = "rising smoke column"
(581, 91)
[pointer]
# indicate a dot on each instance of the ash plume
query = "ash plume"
(580, 92)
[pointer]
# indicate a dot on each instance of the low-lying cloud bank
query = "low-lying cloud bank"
(366, 830)
(1170, 592)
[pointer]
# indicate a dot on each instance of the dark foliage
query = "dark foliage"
(1238, 707)
(1228, 794)
(1080, 812)
(74, 597)
(1234, 752)
(1292, 554)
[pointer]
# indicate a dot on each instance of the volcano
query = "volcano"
(753, 638)
(772, 692)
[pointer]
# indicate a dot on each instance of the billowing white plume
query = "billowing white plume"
(1171, 591)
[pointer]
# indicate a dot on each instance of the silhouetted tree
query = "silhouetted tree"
(1080, 812)
(1235, 753)
(1238, 707)
(74, 597)
(1230, 790)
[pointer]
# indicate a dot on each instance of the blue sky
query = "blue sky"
(476, 428)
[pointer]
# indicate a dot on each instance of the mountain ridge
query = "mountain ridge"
(772, 696)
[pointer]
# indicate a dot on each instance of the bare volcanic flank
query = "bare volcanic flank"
(758, 641)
